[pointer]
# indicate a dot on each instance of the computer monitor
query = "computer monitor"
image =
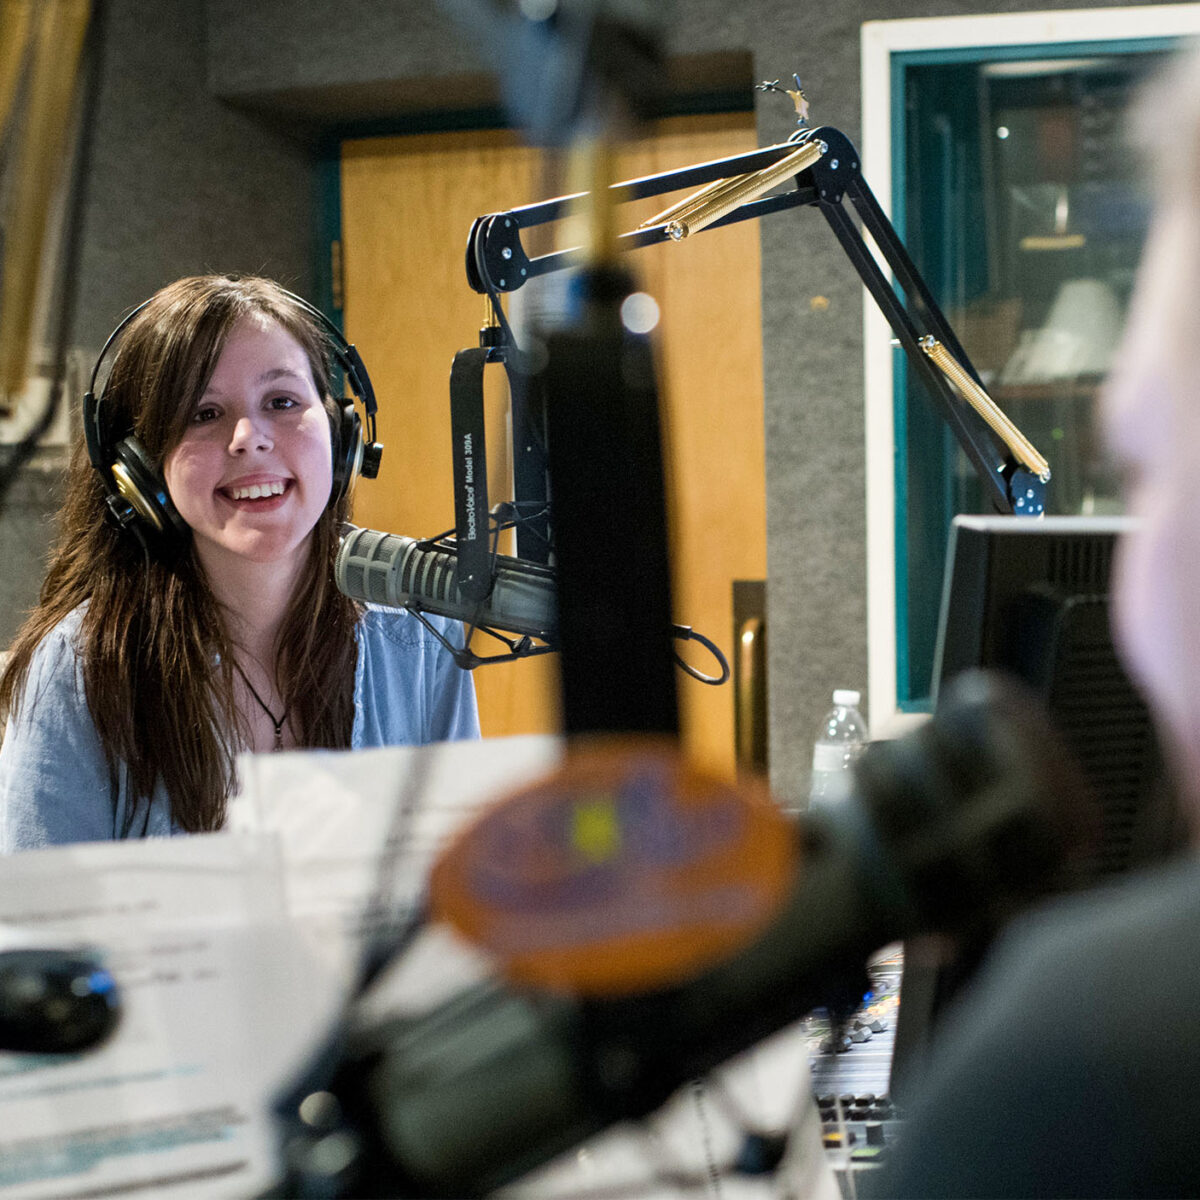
(1030, 596)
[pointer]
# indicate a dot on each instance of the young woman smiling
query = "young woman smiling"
(151, 661)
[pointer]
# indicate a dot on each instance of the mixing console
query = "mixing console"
(851, 1065)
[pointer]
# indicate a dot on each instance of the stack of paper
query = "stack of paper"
(234, 953)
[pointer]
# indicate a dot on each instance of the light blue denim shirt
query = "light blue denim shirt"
(54, 780)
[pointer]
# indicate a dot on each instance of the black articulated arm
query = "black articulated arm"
(823, 167)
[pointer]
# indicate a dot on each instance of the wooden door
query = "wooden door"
(407, 206)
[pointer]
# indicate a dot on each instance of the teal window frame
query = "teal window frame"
(934, 530)
(974, 41)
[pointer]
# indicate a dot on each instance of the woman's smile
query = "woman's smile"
(256, 494)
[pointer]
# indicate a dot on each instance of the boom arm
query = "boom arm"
(824, 168)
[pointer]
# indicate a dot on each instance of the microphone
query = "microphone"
(950, 830)
(422, 576)
(401, 572)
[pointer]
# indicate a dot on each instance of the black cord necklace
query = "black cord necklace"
(279, 722)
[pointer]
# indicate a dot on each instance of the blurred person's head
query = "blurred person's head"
(1152, 412)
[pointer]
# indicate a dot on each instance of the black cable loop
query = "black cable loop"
(468, 660)
(685, 633)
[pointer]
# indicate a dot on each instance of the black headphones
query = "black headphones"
(136, 493)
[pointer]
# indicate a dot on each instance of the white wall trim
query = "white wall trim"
(879, 41)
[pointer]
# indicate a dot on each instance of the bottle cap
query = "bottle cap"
(847, 697)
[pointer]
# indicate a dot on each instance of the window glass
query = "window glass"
(1023, 207)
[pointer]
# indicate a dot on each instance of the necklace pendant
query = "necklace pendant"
(276, 725)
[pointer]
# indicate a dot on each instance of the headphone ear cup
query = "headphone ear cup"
(141, 483)
(345, 436)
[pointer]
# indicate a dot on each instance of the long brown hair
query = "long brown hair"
(156, 657)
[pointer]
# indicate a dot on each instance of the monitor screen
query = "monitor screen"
(1031, 597)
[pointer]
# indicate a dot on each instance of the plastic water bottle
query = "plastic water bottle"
(841, 739)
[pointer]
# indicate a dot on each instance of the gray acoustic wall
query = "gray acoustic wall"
(180, 182)
(204, 159)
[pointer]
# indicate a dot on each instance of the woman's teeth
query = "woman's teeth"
(256, 491)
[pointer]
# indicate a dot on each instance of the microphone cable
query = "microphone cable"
(516, 362)
(383, 937)
(493, 293)
(685, 633)
(523, 647)
(501, 517)
(385, 940)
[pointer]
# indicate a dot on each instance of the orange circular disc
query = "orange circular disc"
(626, 870)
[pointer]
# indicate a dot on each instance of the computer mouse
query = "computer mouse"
(55, 1001)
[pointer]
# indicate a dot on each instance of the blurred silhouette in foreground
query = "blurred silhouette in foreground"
(1059, 1075)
